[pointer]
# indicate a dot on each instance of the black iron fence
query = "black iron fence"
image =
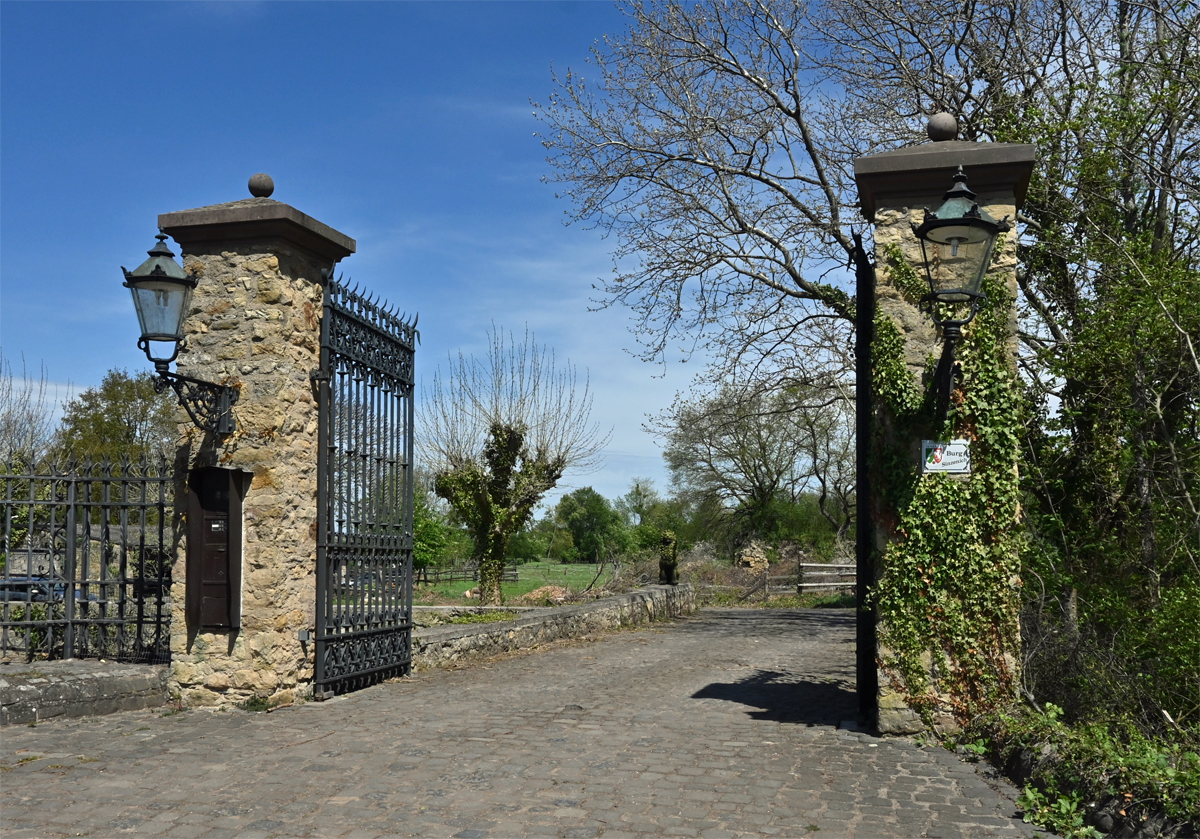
(85, 560)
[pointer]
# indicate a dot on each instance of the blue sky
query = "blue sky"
(407, 126)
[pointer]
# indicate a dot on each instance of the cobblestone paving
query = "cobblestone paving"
(720, 725)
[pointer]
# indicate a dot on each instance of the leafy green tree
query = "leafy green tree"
(1113, 475)
(635, 504)
(531, 542)
(647, 514)
(673, 514)
(498, 435)
(560, 543)
(756, 454)
(123, 417)
(430, 531)
(597, 530)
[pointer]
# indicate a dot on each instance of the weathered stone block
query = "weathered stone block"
(48, 689)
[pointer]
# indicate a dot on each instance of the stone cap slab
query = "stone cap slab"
(255, 220)
(920, 175)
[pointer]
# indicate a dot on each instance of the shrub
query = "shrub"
(1093, 773)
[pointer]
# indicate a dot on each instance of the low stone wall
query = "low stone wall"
(446, 646)
(425, 617)
(42, 690)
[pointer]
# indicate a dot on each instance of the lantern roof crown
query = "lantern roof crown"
(161, 264)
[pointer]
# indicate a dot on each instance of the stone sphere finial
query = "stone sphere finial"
(942, 127)
(261, 185)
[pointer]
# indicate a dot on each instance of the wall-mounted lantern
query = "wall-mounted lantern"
(162, 292)
(956, 245)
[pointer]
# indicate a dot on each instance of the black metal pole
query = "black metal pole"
(322, 376)
(69, 586)
(867, 677)
(944, 375)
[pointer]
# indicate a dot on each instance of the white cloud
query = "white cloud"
(518, 274)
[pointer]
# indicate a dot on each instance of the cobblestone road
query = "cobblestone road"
(720, 725)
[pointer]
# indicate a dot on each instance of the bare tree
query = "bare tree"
(26, 424)
(498, 434)
(747, 450)
(716, 142)
(703, 149)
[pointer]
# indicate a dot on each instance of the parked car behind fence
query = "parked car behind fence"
(36, 589)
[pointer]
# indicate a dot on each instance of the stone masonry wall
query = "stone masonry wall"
(921, 342)
(254, 324)
(41, 690)
(452, 645)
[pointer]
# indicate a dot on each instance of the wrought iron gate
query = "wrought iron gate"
(364, 496)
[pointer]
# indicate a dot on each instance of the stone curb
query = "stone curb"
(41, 690)
(448, 646)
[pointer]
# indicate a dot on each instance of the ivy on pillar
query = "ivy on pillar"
(942, 543)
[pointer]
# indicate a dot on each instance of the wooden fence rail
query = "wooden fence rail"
(465, 575)
(815, 575)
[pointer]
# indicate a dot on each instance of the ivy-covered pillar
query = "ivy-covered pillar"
(941, 544)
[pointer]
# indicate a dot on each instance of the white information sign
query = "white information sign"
(952, 456)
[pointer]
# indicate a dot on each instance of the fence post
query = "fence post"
(69, 573)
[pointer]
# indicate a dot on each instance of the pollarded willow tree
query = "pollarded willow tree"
(715, 142)
(498, 434)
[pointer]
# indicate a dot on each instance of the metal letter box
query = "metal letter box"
(214, 548)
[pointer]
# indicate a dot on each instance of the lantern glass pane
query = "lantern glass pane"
(161, 307)
(956, 266)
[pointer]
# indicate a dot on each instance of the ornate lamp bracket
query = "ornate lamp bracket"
(209, 405)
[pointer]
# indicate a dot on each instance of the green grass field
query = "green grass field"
(577, 577)
(532, 575)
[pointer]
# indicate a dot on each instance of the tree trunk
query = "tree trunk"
(1071, 613)
(1143, 483)
(491, 569)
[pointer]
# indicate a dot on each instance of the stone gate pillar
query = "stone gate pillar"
(942, 548)
(254, 324)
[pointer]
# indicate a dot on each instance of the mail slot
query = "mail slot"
(214, 549)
